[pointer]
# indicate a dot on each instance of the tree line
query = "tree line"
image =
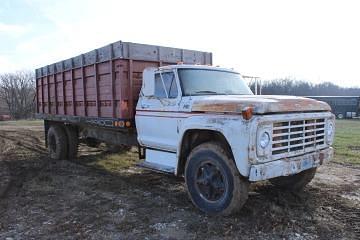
(17, 92)
(286, 86)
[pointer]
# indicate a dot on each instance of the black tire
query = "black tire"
(340, 116)
(57, 143)
(222, 192)
(295, 182)
(73, 142)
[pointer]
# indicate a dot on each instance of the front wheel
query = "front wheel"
(295, 182)
(213, 181)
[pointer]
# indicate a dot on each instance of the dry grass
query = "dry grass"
(122, 159)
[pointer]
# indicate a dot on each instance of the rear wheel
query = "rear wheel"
(57, 142)
(73, 141)
(213, 181)
(295, 182)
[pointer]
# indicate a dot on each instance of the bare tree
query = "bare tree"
(287, 86)
(18, 91)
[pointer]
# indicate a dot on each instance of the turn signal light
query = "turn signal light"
(247, 113)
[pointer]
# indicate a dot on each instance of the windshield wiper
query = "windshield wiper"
(206, 91)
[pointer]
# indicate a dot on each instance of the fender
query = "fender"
(234, 129)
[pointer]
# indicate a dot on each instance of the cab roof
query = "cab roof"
(191, 66)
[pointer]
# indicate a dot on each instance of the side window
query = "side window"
(170, 85)
(159, 87)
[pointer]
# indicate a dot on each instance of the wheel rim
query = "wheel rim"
(211, 182)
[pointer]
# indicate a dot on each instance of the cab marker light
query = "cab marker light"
(247, 113)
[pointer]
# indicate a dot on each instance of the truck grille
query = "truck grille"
(296, 137)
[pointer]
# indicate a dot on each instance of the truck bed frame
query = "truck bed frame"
(101, 87)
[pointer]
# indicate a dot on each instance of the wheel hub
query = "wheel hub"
(210, 182)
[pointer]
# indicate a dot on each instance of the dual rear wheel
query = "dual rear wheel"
(62, 142)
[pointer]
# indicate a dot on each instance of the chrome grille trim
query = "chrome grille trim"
(296, 137)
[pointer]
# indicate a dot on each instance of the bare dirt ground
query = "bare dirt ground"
(41, 199)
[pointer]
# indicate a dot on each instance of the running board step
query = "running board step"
(157, 167)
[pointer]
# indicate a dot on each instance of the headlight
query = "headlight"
(330, 132)
(264, 140)
(330, 129)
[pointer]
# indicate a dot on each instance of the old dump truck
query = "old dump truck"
(192, 120)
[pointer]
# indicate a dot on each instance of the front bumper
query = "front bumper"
(290, 166)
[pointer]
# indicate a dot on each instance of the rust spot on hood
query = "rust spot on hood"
(261, 104)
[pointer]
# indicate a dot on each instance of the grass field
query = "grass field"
(347, 141)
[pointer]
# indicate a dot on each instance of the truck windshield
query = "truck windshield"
(208, 81)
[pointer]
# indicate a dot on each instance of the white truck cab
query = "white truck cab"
(205, 124)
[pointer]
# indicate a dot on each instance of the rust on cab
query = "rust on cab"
(262, 104)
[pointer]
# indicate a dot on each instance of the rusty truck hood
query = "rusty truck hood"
(261, 103)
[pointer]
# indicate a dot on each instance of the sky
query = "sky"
(316, 40)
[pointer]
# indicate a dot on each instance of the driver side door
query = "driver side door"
(157, 116)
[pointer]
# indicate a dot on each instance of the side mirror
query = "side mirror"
(148, 83)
